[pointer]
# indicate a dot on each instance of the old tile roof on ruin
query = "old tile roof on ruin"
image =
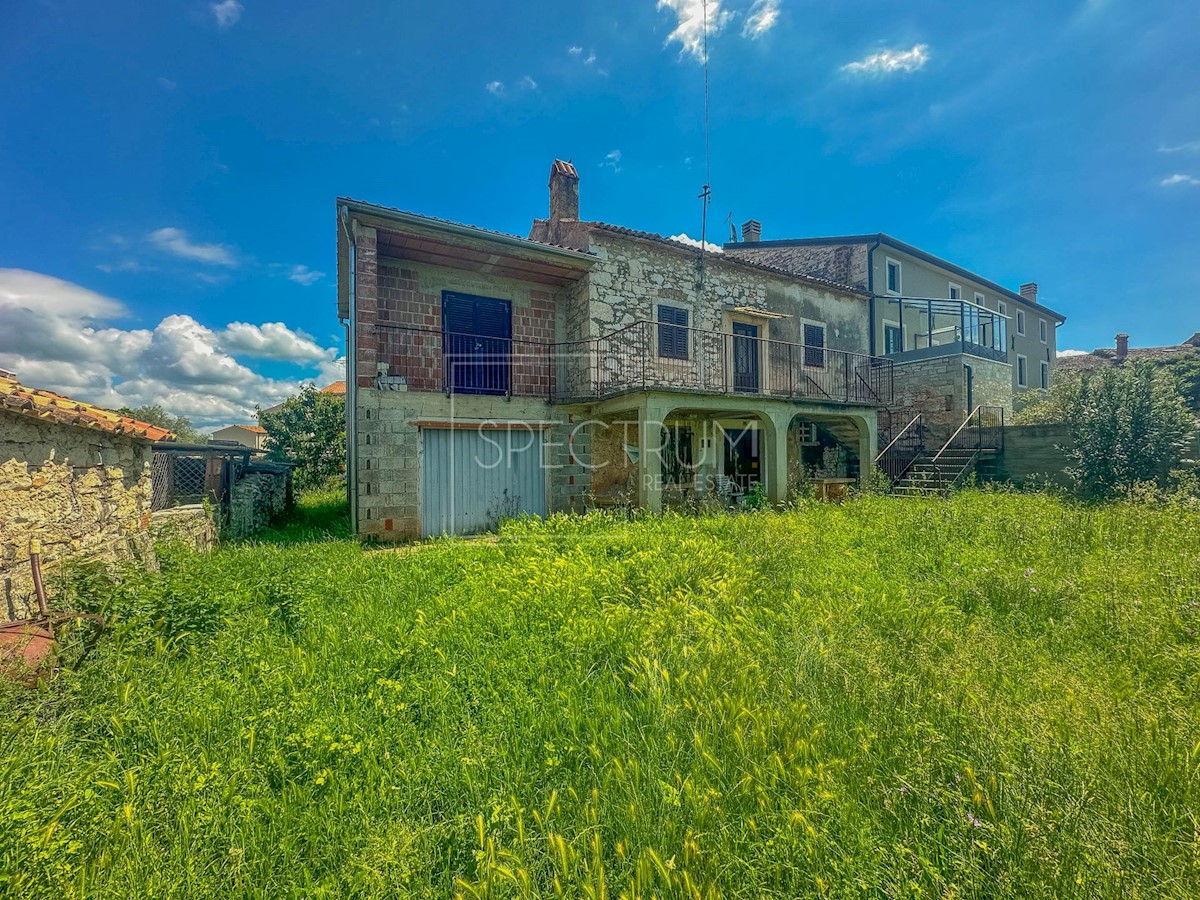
(48, 406)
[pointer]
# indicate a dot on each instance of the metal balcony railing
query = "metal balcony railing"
(644, 356)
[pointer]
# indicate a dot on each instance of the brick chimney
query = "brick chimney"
(1122, 345)
(564, 192)
(1029, 291)
(751, 231)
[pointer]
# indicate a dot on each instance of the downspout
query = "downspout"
(351, 372)
(871, 290)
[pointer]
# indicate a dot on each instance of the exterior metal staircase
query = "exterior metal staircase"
(915, 471)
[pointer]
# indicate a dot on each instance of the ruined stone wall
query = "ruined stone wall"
(255, 500)
(191, 525)
(635, 275)
(83, 493)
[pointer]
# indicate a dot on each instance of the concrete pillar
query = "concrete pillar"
(775, 466)
(868, 443)
(650, 423)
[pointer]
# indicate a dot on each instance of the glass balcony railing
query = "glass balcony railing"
(917, 328)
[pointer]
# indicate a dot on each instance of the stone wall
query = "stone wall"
(636, 274)
(83, 493)
(256, 499)
(937, 389)
(1036, 455)
(191, 525)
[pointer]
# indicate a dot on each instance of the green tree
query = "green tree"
(309, 429)
(1128, 425)
(185, 432)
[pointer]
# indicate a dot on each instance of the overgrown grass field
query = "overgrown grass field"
(991, 696)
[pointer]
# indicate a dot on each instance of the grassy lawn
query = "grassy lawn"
(995, 695)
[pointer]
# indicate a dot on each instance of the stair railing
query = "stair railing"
(903, 450)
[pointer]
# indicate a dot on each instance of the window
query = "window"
(894, 284)
(1042, 329)
(893, 338)
(806, 433)
(672, 332)
(1003, 308)
(1045, 376)
(979, 299)
(1022, 372)
(814, 344)
(1020, 321)
(477, 336)
(955, 291)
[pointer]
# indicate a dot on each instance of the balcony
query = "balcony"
(919, 328)
(645, 356)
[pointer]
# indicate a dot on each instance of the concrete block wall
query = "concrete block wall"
(389, 476)
(83, 493)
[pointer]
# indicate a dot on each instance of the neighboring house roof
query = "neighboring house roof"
(257, 429)
(51, 407)
(904, 248)
(338, 387)
(1105, 357)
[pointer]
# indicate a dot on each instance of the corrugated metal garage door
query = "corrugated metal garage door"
(470, 479)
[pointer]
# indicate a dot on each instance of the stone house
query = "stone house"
(1121, 353)
(490, 374)
(72, 475)
(957, 340)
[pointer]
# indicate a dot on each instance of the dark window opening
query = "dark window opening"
(477, 336)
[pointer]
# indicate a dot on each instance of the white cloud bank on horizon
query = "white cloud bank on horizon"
(683, 238)
(889, 62)
(58, 335)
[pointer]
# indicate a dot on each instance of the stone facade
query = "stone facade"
(937, 389)
(400, 270)
(84, 493)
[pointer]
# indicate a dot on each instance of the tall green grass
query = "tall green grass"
(990, 696)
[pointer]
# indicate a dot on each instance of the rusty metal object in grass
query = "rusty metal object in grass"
(26, 645)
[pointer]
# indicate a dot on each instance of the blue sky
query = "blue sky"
(169, 169)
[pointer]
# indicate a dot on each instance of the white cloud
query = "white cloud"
(689, 23)
(694, 242)
(762, 18)
(1178, 179)
(167, 84)
(272, 340)
(227, 13)
(890, 62)
(612, 160)
(58, 335)
(1189, 147)
(528, 84)
(496, 88)
(176, 242)
(1073, 352)
(304, 275)
(575, 51)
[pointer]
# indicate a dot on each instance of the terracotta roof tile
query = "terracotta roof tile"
(49, 406)
(338, 387)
